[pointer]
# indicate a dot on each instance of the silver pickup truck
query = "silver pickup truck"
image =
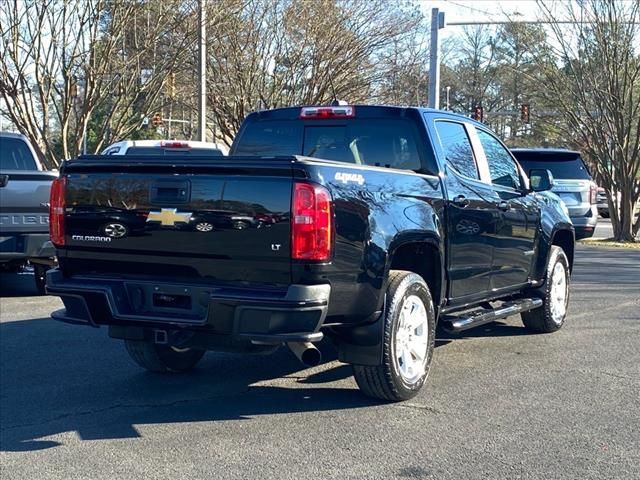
(24, 208)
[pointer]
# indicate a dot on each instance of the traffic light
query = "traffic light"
(525, 113)
(156, 120)
(478, 113)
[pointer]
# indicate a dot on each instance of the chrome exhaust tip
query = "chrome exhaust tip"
(306, 352)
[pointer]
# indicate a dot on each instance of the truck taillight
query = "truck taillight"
(174, 144)
(342, 111)
(311, 223)
(56, 211)
(593, 194)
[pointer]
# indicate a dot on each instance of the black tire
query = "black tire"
(545, 319)
(162, 358)
(386, 381)
(40, 277)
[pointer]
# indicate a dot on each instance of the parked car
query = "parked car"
(165, 147)
(24, 208)
(603, 204)
(572, 182)
(216, 220)
(403, 219)
(108, 221)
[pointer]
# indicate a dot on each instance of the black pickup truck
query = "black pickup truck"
(367, 224)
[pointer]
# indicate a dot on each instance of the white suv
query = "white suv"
(165, 147)
(571, 182)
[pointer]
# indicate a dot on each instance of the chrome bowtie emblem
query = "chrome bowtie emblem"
(168, 217)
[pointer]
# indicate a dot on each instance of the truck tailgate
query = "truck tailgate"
(220, 221)
(24, 200)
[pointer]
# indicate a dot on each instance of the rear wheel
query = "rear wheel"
(204, 227)
(240, 224)
(162, 358)
(555, 295)
(409, 336)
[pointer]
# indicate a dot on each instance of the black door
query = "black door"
(471, 216)
(518, 217)
(514, 240)
(472, 224)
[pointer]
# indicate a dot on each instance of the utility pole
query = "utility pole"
(202, 71)
(437, 22)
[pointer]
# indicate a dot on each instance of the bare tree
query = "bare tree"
(273, 53)
(597, 91)
(68, 66)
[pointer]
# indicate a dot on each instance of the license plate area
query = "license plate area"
(571, 198)
(186, 303)
(163, 300)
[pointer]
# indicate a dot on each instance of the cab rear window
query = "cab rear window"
(375, 142)
(562, 165)
(15, 155)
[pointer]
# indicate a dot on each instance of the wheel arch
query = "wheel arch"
(565, 240)
(423, 257)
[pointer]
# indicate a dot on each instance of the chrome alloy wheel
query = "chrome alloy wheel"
(115, 230)
(204, 227)
(559, 293)
(412, 338)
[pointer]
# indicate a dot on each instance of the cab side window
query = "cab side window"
(502, 167)
(457, 148)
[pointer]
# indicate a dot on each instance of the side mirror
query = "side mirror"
(541, 180)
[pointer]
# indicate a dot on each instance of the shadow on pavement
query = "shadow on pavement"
(59, 378)
(593, 266)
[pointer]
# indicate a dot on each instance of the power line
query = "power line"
(536, 22)
(469, 8)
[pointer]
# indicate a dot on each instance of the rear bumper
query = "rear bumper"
(25, 246)
(235, 315)
(585, 225)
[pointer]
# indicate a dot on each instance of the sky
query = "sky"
(482, 10)
(497, 10)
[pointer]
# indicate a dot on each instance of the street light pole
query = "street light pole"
(202, 71)
(448, 89)
(437, 22)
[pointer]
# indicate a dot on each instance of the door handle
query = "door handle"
(461, 201)
(504, 206)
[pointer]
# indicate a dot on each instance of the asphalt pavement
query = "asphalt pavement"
(603, 229)
(499, 403)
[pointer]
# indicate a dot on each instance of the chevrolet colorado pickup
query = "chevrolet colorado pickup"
(24, 208)
(366, 224)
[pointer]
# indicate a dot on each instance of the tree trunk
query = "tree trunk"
(624, 232)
